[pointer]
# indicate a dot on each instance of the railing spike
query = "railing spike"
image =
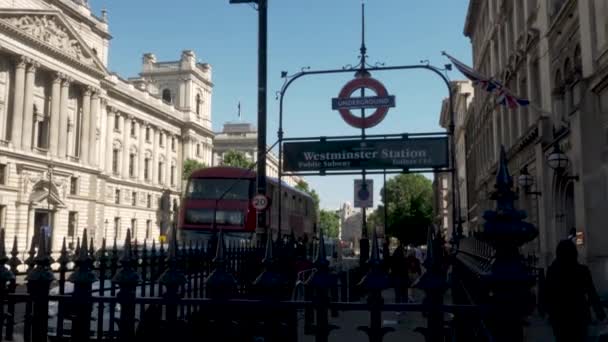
(77, 250)
(84, 250)
(63, 256)
(321, 254)
(127, 252)
(268, 255)
(14, 261)
(375, 255)
(220, 250)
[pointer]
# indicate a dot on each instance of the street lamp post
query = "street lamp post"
(262, 91)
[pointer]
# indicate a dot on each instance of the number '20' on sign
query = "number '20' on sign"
(260, 202)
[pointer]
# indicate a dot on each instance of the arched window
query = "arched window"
(167, 96)
(578, 62)
(568, 71)
(199, 104)
(558, 95)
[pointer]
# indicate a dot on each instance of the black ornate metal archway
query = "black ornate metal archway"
(363, 69)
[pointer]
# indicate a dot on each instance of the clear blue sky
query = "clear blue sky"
(322, 34)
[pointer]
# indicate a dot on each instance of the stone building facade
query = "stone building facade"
(462, 95)
(243, 137)
(81, 147)
(555, 53)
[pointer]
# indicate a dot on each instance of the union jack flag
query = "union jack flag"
(504, 96)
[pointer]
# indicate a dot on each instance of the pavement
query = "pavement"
(537, 330)
(404, 324)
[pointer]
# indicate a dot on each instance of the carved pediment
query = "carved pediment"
(51, 30)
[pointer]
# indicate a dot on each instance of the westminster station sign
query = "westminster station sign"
(343, 155)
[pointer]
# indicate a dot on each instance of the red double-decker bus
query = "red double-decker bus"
(227, 192)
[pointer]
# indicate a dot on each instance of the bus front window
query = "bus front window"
(214, 188)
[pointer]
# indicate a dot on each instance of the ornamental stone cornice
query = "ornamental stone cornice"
(50, 32)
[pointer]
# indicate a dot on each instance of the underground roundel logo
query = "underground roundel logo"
(381, 102)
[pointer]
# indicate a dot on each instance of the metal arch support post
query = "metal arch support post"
(451, 127)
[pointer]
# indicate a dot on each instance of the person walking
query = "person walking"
(569, 294)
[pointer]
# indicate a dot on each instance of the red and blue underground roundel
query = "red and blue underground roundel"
(344, 103)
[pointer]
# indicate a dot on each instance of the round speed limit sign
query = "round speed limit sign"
(260, 202)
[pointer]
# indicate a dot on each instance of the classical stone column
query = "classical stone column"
(168, 160)
(85, 135)
(137, 164)
(17, 125)
(110, 139)
(125, 145)
(155, 157)
(95, 103)
(141, 150)
(54, 132)
(63, 118)
(103, 129)
(180, 163)
(28, 107)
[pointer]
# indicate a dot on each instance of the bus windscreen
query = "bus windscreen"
(214, 188)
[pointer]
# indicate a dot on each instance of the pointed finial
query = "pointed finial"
(91, 247)
(173, 252)
(14, 261)
(42, 250)
(268, 255)
(220, 250)
(83, 254)
(321, 253)
(126, 254)
(503, 178)
(375, 254)
(77, 251)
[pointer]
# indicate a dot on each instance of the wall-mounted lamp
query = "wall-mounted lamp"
(559, 161)
(525, 180)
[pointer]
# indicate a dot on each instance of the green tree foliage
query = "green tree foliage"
(303, 186)
(236, 159)
(191, 165)
(410, 208)
(329, 222)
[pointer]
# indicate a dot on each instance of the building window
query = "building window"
(73, 185)
(198, 150)
(160, 172)
(42, 129)
(117, 122)
(148, 229)
(117, 196)
(161, 140)
(147, 169)
(173, 144)
(72, 223)
(2, 174)
(172, 175)
(148, 134)
(149, 201)
(115, 161)
(199, 102)
(116, 228)
(167, 96)
(132, 165)
(134, 229)
(132, 128)
(134, 198)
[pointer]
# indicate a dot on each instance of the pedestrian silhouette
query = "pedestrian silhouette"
(569, 294)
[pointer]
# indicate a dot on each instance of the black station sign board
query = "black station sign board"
(342, 155)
